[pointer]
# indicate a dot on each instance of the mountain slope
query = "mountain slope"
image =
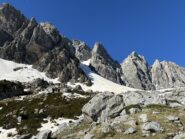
(101, 84)
(21, 72)
(37, 44)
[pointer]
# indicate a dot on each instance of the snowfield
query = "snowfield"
(99, 83)
(21, 72)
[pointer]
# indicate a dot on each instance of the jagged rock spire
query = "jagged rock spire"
(83, 52)
(137, 72)
(167, 75)
(104, 65)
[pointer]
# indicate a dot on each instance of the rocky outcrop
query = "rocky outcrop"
(60, 63)
(11, 20)
(9, 89)
(137, 72)
(83, 52)
(104, 65)
(45, 134)
(4, 37)
(40, 45)
(167, 75)
(105, 106)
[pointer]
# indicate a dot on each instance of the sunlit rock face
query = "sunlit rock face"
(167, 75)
(137, 72)
(104, 65)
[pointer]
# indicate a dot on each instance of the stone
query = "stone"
(179, 136)
(120, 119)
(130, 131)
(143, 118)
(172, 118)
(152, 127)
(124, 112)
(45, 134)
(88, 136)
(19, 119)
(26, 136)
(134, 110)
(103, 106)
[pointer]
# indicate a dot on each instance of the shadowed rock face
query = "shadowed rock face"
(11, 20)
(137, 72)
(167, 75)
(26, 41)
(104, 65)
(9, 89)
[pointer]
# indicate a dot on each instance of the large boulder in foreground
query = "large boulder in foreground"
(105, 106)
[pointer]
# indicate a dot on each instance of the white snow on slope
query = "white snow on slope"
(4, 133)
(24, 73)
(59, 124)
(99, 83)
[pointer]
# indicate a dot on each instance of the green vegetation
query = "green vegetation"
(159, 107)
(34, 110)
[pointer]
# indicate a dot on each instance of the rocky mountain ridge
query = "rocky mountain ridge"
(67, 90)
(41, 45)
(38, 44)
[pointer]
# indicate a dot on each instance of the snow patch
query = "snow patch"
(54, 125)
(21, 72)
(4, 134)
(99, 83)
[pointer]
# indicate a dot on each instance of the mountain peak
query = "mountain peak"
(102, 62)
(99, 48)
(134, 53)
(136, 70)
(11, 19)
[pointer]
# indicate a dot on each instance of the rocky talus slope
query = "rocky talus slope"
(140, 114)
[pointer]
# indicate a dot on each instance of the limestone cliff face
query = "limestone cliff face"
(40, 44)
(104, 65)
(167, 75)
(82, 51)
(137, 72)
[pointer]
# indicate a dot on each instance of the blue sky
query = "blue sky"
(153, 28)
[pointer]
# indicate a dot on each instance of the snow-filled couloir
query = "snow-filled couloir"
(99, 83)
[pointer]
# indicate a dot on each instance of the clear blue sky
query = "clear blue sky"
(153, 28)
